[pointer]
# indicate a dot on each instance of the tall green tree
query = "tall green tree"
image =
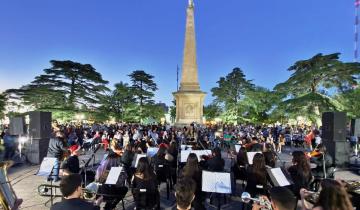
(119, 101)
(258, 104)
(65, 85)
(309, 89)
(230, 92)
(212, 111)
(351, 101)
(143, 88)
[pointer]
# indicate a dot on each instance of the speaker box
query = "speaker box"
(339, 151)
(355, 127)
(37, 150)
(40, 125)
(334, 126)
(17, 126)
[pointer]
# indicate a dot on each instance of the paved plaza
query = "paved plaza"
(25, 184)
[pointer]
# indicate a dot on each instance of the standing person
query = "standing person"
(57, 149)
(70, 187)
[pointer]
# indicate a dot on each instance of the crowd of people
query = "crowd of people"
(159, 149)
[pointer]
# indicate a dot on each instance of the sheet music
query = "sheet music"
(216, 182)
(250, 156)
(186, 147)
(151, 151)
(46, 166)
(113, 176)
(280, 177)
(6, 190)
(237, 147)
(185, 154)
(138, 156)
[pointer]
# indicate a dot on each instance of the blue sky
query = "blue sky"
(263, 38)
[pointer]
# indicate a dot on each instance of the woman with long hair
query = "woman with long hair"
(333, 196)
(144, 186)
(257, 182)
(300, 172)
(192, 170)
(117, 192)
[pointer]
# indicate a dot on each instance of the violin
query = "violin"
(316, 153)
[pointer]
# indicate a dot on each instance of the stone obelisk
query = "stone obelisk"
(189, 98)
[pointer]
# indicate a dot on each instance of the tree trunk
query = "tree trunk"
(72, 92)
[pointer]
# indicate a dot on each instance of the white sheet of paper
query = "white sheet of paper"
(280, 177)
(113, 176)
(184, 155)
(216, 182)
(237, 147)
(138, 156)
(250, 156)
(46, 166)
(151, 151)
(185, 147)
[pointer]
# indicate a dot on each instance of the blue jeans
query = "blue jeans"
(56, 169)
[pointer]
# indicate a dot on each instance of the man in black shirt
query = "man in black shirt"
(70, 187)
(57, 149)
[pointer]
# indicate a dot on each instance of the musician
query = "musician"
(333, 196)
(256, 176)
(115, 192)
(145, 179)
(319, 160)
(185, 194)
(300, 172)
(216, 162)
(71, 165)
(70, 187)
(281, 199)
(193, 171)
(57, 149)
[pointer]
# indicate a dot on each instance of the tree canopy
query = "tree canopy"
(66, 85)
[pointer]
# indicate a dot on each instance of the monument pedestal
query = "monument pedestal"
(189, 107)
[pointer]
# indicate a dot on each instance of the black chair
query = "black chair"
(112, 195)
(146, 200)
(163, 175)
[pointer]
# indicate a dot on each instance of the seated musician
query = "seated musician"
(317, 157)
(115, 192)
(333, 196)
(57, 149)
(257, 182)
(281, 199)
(71, 165)
(241, 164)
(270, 155)
(216, 162)
(300, 172)
(144, 186)
(192, 170)
(70, 187)
(185, 194)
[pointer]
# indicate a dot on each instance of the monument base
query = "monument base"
(36, 150)
(189, 107)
